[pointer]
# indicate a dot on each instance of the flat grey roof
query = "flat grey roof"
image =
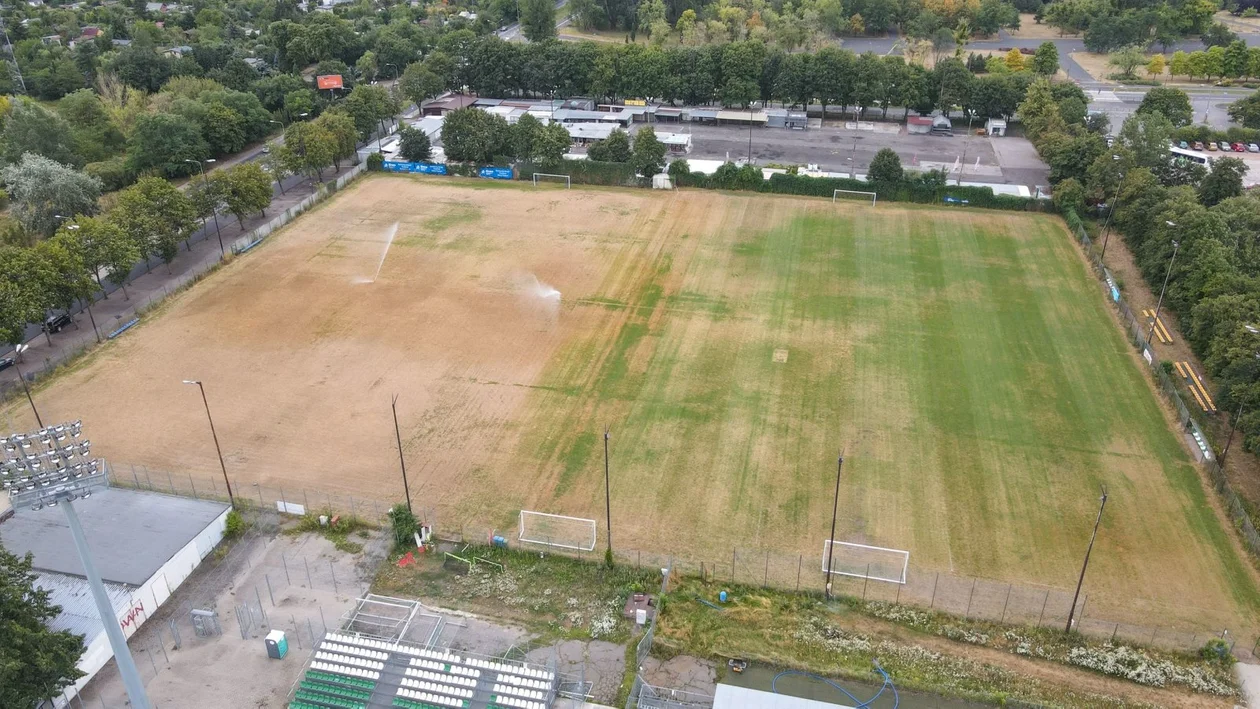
(729, 696)
(131, 534)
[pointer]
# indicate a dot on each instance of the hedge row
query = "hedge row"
(914, 189)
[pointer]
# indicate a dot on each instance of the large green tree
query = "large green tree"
(45, 192)
(36, 663)
(538, 19)
(414, 145)
(31, 129)
(1046, 59)
(1172, 103)
(648, 156)
(246, 189)
(472, 135)
(614, 148)
(166, 142)
(156, 216)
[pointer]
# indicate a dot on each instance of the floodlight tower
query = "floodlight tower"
(52, 467)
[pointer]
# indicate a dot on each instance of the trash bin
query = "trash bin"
(277, 645)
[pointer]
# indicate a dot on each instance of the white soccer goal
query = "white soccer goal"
(866, 562)
(557, 531)
(567, 182)
(835, 195)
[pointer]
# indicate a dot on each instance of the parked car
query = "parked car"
(5, 363)
(1239, 148)
(1184, 145)
(1197, 145)
(57, 323)
(1111, 140)
(1224, 146)
(1211, 146)
(1253, 148)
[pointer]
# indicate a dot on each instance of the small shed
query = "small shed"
(677, 143)
(995, 127)
(796, 120)
(918, 125)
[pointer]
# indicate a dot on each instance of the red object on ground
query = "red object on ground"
(406, 560)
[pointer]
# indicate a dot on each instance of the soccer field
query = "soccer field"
(734, 343)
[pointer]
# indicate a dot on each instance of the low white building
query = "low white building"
(144, 545)
(677, 143)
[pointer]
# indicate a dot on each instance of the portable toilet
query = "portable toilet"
(277, 645)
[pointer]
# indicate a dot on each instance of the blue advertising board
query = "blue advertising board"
(423, 167)
(496, 173)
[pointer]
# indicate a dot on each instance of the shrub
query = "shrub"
(234, 525)
(375, 162)
(403, 523)
(679, 169)
(113, 173)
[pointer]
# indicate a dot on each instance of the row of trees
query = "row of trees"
(145, 221)
(473, 135)
(1230, 62)
(733, 74)
(1108, 26)
(1154, 200)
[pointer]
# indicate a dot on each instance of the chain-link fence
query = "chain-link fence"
(1182, 627)
(1139, 335)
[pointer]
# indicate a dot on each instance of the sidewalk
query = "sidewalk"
(149, 283)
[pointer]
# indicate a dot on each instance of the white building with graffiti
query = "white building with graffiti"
(145, 544)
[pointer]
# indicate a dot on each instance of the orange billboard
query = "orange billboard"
(329, 81)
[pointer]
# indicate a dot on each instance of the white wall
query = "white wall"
(146, 599)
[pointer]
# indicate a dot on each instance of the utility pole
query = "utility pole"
(1101, 506)
(607, 493)
(393, 406)
(8, 47)
(835, 508)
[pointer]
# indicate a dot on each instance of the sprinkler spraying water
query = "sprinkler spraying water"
(389, 241)
(537, 296)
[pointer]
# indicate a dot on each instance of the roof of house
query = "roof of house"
(130, 533)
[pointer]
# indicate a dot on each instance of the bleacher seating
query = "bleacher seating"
(431, 698)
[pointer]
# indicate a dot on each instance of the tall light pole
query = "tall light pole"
(853, 159)
(1088, 550)
(1106, 233)
(1163, 289)
(835, 508)
(402, 463)
(60, 484)
(205, 184)
(214, 435)
(607, 494)
(1233, 424)
(17, 355)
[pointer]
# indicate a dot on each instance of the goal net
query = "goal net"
(852, 194)
(557, 531)
(549, 177)
(865, 562)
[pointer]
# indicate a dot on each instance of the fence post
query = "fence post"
(309, 584)
(1044, 601)
(260, 500)
(1081, 621)
(800, 558)
(306, 504)
(287, 580)
(969, 597)
(1007, 603)
(766, 580)
(135, 478)
(934, 582)
(898, 601)
(1114, 631)
(270, 593)
(193, 485)
(170, 481)
(866, 581)
(732, 564)
(334, 575)
(283, 503)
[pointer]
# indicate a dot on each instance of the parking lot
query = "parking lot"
(839, 146)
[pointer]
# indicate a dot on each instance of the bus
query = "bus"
(1182, 154)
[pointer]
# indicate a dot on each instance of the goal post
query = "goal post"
(553, 176)
(858, 194)
(865, 562)
(576, 533)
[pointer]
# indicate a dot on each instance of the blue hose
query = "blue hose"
(859, 704)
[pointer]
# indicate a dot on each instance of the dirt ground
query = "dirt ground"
(1029, 29)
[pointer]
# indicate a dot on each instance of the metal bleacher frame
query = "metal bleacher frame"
(402, 675)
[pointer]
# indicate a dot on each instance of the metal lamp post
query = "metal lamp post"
(1164, 288)
(214, 435)
(205, 181)
(17, 355)
(835, 508)
(57, 483)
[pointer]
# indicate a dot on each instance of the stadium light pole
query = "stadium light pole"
(831, 545)
(393, 406)
(1088, 550)
(213, 434)
(607, 493)
(1164, 288)
(59, 486)
(205, 183)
